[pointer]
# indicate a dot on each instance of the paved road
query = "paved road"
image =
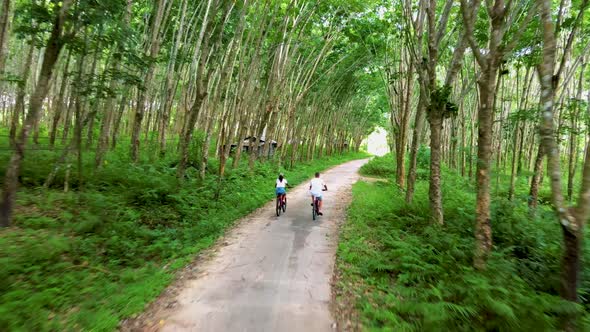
(274, 273)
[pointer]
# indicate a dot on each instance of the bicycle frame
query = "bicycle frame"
(316, 207)
(281, 203)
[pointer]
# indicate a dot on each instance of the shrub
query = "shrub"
(380, 167)
(407, 274)
(83, 260)
(423, 157)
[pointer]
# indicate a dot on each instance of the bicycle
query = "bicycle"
(281, 204)
(315, 209)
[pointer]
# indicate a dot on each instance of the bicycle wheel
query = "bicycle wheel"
(314, 209)
(278, 206)
(284, 204)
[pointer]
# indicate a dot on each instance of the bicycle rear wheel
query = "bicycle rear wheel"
(284, 204)
(278, 206)
(314, 209)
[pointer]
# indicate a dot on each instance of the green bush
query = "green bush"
(85, 260)
(423, 157)
(408, 274)
(380, 167)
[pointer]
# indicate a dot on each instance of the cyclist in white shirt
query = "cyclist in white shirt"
(281, 185)
(316, 186)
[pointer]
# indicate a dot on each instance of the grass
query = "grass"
(385, 166)
(380, 167)
(406, 274)
(84, 260)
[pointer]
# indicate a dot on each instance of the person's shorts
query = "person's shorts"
(280, 191)
(316, 195)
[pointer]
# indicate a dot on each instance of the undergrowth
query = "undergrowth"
(407, 274)
(383, 166)
(84, 260)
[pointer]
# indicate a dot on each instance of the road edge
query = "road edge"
(149, 318)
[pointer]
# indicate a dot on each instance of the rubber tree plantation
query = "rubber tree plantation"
(134, 134)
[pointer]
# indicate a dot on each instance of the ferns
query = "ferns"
(84, 260)
(410, 275)
(380, 167)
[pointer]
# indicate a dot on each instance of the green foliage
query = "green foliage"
(408, 274)
(440, 102)
(380, 167)
(423, 157)
(85, 260)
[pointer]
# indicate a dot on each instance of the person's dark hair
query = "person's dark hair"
(317, 174)
(281, 177)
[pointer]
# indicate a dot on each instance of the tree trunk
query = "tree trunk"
(520, 148)
(170, 84)
(573, 146)
(118, 120)
(5, 23)
(471, 145)
(207, 143)
(59, 104)
(244, 124)
(483, 230)
(513, 164)
(225, 147)
(188, 133)
(536, 179)
(105, 128)
(78, 111)
(200, 94)
(572, 220)
(90, 131)
(68, 118)
(573, 150)
(416, 140)
(463, 134)
(453, 142)
(402, 138)
(19, 106)
(52, 50)
(154, 48)
(571, 263)
(254, 147)
(435, 191)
